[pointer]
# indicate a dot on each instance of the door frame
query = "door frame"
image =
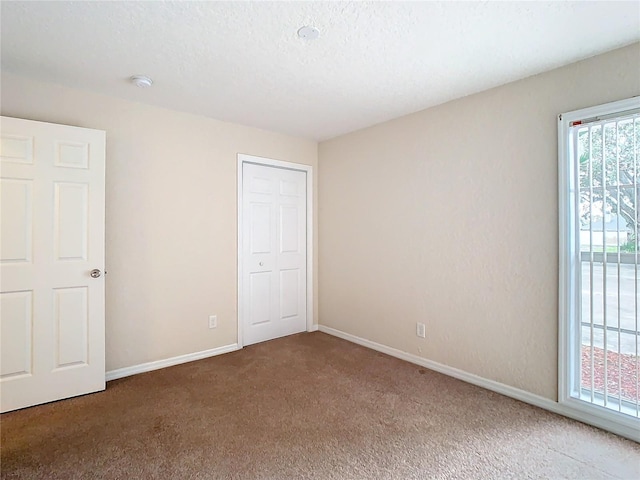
(268, 162)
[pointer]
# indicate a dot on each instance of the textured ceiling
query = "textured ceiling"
(243, 62)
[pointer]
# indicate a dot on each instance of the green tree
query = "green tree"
(609, 172)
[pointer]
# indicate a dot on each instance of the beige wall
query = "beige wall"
(171, 215)
(449, 217)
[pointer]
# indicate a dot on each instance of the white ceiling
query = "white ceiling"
(243, 61)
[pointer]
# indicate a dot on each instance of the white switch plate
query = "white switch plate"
(213, 321)
(421, 330)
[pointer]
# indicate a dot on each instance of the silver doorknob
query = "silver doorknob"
(95, 273)
(261, 264)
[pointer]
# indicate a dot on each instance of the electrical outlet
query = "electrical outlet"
(213, 321)
(421, 330)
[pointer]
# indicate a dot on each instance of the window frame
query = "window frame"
(569, 278)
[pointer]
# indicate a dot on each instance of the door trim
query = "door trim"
(268, 162)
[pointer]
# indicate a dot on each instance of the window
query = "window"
(599, 174)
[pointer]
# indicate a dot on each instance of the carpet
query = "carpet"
(304, 406)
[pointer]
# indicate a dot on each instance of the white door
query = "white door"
(274, 215)
(52, 237)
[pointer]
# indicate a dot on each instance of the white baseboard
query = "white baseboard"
(313, 328)
(168, 362)
(622, 429)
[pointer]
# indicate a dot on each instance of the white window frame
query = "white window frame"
(569, 277)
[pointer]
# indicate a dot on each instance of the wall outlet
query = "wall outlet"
(421, 330)
(213, 321)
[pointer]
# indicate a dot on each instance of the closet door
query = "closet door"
(274, 252)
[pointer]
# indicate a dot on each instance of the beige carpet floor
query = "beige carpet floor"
(305, 406)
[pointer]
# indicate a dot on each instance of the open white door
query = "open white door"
(51, 262)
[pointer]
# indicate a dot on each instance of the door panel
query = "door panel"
(70, 317)
(17, 205)
(261, 232)
(274, 252)
(260, 292)
(15, 356)
(51, 310)
(290, 229)
(288, 188)
(289, 293)
(71, 211)
(16, 148)
(72, 155)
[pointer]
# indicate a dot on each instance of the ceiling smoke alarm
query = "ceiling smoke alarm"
(141, 81)
(308, 33)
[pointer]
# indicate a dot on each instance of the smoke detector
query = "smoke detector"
(141, 81)
(308, 33)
